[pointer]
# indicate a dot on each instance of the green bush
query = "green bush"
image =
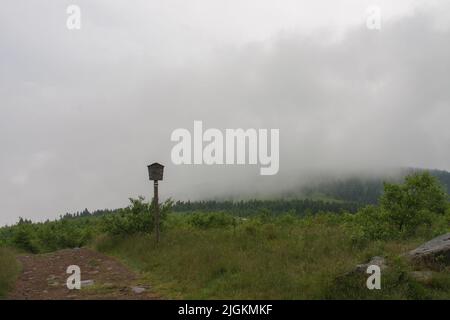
(408, 205)
(252, 226)
(71, 232)
(25, 238)
(138, 217)
(211, 220)
(50, 235)
(417, 207)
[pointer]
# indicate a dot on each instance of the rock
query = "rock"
(361, 269)
(433, 253)
(378, 261)
(138, 290)
(87, 283)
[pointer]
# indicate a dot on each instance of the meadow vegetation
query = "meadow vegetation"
(9, 269)
(265, 255)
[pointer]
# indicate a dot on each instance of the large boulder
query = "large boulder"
(435, 252)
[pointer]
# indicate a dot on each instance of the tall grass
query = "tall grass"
(285, 258)
(9, 269)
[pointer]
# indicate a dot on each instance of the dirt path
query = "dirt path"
(44, 277)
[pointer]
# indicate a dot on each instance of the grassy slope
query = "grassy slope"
(301, 259)
(9, 269)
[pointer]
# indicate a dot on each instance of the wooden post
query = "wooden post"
(156, 203)
(155, 173)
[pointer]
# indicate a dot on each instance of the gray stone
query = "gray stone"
(362, 268)
(434, 252)
(138, 290)
(87, 283)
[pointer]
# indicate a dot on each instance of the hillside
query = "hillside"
(273, 252)
(364, 190)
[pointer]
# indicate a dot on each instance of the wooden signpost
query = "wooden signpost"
(155, 172)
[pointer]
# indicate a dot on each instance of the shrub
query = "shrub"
(25, 238)
(252, 226)
(417, 206)
(370, 224)
(136, 218)
(211, 220)
(408, 205)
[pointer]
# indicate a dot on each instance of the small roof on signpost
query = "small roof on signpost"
(155, 171)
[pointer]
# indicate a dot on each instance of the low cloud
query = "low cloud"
(83, 114)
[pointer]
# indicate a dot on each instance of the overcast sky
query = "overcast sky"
(82, 112)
